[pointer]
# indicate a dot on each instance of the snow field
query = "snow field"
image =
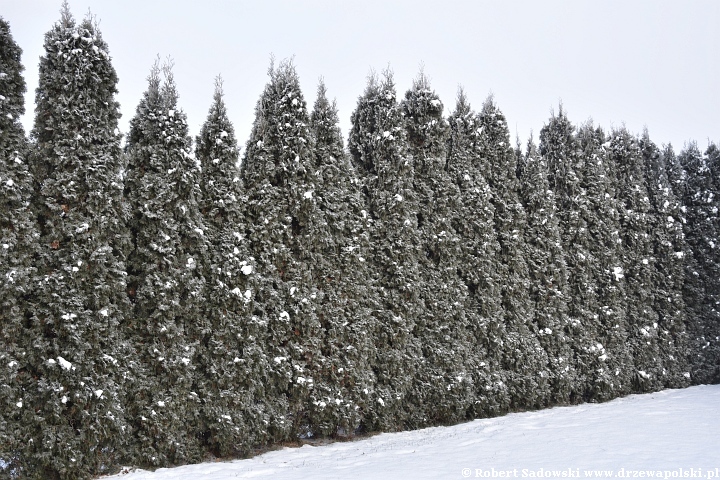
(667, 434)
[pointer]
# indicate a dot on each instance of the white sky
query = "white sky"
(651, 63)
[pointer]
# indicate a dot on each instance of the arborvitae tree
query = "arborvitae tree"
(378, 146)
(548, 275)
(281, 209)
(712, 326)
(166, 279)
(75, 367)
(604, 360)
(233, 365)
(523, 357)
(443, 389)
(18, 244)
(669, 250)
(702, 294)
(564, 160)
(341, 274)
(474, 223)
(639, 268)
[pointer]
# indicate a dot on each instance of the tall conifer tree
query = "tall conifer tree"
(639, 263)
(565, 161)
(378, 146)
(548, 275)
(277, 171)
(341, 273)
(232, 368)
(443, 384)
(78, 355)
(18, 244)
(474, 223)
(669, 251)
(524, 358)
(605, 360)
(702, 294)
(166, 279)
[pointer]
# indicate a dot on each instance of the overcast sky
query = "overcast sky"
(652, 63)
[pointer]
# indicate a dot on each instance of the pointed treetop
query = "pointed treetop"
(489, 104)
(462, 104)
(322, 89)
(153, 78)
(372, 84)
(421, 82)
(324, 122)
(322, 102)
(66, 18)
(13, 87)
(388, 81)
(219, 92)
(169, 89)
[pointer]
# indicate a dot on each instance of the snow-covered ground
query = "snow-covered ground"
(669, 434)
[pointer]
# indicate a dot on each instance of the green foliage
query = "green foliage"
(522, 356)
(638, 262)
(669, 253)
(548, 276)
(160, 306)
(379, 150)
(231, 369)
(474, 223)
(443, 388)
(281, 211)
(18, 243)
(166, 280)
(76, 365)
(341, 274)
(699, 195)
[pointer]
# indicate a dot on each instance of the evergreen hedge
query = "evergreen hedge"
(169, 302)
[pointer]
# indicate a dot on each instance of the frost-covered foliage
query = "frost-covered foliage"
(474, 223)
(548, 276)
(523, 358)
(443, 385)
(166, 279)
(378, 145)
(669, 251)
(18, 248)
(638, 261)
(232, 367)
(341, 273)
(76, 359)
(161, 305)
(281, 214)
(700, 195)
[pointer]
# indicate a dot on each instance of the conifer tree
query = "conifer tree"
(78, 357)
(443, 384)
(232, 368)
(474, 223)
(166, 279)
(639, 269)
(669, 250)
(604, 359)
(18, 241)
(700, 198)
(341, 274)
(548, 275)
(711, 327)
(378, 146)
(565, 161)
(523, 357)
(277, 171)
